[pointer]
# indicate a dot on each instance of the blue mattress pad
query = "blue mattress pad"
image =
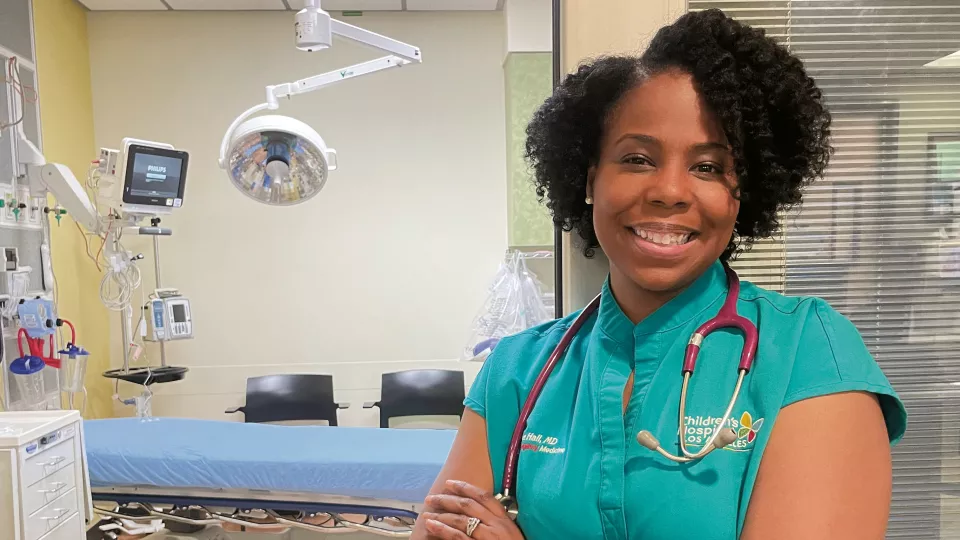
(391, 464)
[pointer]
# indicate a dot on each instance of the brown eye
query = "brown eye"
(636, 159)
(709, 168)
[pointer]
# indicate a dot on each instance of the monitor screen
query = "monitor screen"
(154, 176)
(179, 313)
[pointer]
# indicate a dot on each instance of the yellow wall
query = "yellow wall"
(66, 113)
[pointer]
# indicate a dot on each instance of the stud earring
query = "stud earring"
(589, 200)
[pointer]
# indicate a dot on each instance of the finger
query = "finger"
(485, 498)
(460, 522)
(457, 521)
(443, 531)
(455, 504)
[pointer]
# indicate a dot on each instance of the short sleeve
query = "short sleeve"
(497, 389)
(832, 358)
(476, 399)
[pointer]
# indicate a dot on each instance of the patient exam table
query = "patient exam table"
(320, 478)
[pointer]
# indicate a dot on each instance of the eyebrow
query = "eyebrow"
(709, 145)
(712, 146)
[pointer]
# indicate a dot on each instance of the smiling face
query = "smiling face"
(663, 188)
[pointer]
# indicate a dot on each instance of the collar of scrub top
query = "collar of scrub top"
(706, 291)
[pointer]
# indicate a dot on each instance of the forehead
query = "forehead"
(667, 107)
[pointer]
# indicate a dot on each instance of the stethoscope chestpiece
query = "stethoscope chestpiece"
(509, 504)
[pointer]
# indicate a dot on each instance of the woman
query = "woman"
(671, 163)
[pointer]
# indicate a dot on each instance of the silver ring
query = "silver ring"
(472, 525)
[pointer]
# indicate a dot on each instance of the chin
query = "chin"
(665, 276)
(662, 280)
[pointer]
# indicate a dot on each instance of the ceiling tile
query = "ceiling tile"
(361, 5)
(235, 5)
(123, 5)
(452, 5)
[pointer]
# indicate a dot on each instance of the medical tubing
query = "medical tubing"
(22, 332)
(513, 453)
(73, 331)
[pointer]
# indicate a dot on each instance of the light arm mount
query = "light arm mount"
(58, 180)
(400, 55)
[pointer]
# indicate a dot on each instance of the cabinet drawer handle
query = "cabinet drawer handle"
(60, 513)
(53, 462)
(57, 486)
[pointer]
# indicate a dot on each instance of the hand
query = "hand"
(461, 501)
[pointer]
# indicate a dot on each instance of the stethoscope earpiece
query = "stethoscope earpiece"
(647, 440)
(726, 437)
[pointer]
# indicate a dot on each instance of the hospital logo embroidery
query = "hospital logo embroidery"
(697, 431)
(748, 428)
(534, 442)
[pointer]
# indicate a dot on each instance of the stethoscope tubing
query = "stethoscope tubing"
(513, 453)
(721, 437)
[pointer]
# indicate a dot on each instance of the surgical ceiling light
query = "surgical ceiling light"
(282, 161)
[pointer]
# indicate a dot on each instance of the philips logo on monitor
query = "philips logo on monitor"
(156, 173)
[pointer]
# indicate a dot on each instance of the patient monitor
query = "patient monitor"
(153, 175)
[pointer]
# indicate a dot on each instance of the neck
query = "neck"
(636, 302)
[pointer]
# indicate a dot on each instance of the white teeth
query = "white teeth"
(664, 239)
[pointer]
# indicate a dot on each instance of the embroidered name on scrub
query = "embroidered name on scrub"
(699, 429)
(535, 442)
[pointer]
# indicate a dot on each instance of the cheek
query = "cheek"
(607, 216)
(612, 197)
(721, 208)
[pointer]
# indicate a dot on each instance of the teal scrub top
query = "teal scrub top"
(581, 471)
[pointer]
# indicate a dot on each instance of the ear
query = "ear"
(591, 177)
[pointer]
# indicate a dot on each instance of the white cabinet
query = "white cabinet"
(44, 486)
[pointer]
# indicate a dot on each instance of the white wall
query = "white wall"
(387, 266)
(529, 25)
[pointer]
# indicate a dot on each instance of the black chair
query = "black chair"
(286, 398)
(420, 392)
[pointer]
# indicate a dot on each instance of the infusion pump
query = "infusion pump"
(169, 318)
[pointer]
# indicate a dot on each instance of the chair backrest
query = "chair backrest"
(286, 398)
(421, 392)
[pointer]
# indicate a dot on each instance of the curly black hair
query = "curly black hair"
(771, 111)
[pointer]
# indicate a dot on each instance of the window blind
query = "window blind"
(879, 237)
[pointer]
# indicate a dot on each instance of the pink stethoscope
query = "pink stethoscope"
(726, 318)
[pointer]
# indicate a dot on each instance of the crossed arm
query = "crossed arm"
(826, 473)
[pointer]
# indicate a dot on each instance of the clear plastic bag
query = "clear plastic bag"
(514, 303)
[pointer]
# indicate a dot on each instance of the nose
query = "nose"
(670, 189)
